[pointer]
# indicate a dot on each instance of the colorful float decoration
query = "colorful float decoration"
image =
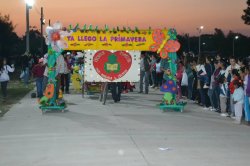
(111, 56)
(53, 97)
(167, 45)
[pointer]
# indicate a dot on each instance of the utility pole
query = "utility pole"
(27, 30)
(42, 23)
(29, 4)
(200, 30)
(235, 38)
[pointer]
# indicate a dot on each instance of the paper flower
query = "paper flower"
(165, 44)
(55, 37)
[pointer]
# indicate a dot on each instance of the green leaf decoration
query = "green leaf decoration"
(136, 29)
(106, 27)
(149, 30)
(77, 26)
(90, 27)
(84, 27)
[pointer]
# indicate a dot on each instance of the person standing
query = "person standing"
(144, 73)
(60, 69)
(38, 74)
(224, 95)
(188, 69)
(159, 74)
(179, 74)
(26, 69)
(235, 77)
(202, 83)
(247, 94)
(218, 57)
(4, 76)
(153, 70)
(65, 77)
(45, 74)
(214, 89)
(238, 99)
(196, 84)
(233, 65)
(116, 89)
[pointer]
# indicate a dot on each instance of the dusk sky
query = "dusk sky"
(184, 15)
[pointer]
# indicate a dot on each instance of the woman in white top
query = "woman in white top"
(4, 76)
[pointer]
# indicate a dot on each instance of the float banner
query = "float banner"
(120, 40)
(112, 66)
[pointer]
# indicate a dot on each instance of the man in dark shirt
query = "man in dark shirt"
(38, 71)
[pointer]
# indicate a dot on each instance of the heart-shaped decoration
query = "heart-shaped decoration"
(112, 66)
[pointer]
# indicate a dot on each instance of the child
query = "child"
(202, 75)
(224, 95)
(238, 99)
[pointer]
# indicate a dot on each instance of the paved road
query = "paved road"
(129, 133)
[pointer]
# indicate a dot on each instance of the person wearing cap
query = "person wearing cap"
(38, 74)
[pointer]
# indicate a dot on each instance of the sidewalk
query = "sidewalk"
(127, 133)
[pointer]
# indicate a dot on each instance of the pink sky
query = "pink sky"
(184, 15)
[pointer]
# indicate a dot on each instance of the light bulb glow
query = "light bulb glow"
(30, 3)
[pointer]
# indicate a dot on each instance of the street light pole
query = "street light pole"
(29, 4)
(42, 22)
(235, 38)
(199, 44)
(200, 30)
(27, 29)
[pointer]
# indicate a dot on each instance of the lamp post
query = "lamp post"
(199, 29)
(204, 46)
(235, 38)
(42, 20)
(29, 4)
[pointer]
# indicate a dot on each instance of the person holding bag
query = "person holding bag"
(4, 76)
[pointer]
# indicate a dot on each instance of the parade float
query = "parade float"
(111, 56)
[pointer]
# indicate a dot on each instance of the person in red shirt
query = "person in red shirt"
(236, 77)
(38, 71)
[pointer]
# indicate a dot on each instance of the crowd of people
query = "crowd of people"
(215, 83)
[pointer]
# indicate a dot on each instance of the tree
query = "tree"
(246, 16)
(8, 38)
(35, 43)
